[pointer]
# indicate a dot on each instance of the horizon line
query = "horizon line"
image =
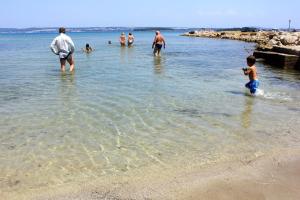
(174, 27)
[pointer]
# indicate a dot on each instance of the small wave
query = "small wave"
(270, 95)
(41, 31)
(277, 96)
(258, 93)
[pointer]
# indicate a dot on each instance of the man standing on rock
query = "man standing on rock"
(64, 47)
(158, 43)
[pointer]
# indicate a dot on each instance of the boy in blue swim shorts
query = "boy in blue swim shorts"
(251, 71)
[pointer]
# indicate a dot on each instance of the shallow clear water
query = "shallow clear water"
(124, 109)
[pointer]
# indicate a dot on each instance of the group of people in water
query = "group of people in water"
(129, 41)
(64, 47)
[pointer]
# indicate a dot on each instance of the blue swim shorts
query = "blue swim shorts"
(253, 86)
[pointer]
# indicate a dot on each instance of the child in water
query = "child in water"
(251, 71)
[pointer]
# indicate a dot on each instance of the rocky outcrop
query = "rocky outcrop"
(264, 38)
(289, 40)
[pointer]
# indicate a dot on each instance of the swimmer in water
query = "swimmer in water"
(87, 49)
(123, 40)
(158, 43)
(130, 40)
(251, 71)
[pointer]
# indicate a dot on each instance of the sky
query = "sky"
(139, 13)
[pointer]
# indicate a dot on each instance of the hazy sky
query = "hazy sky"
(171, 13)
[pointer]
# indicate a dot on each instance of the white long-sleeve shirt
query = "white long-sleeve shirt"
(62, 45)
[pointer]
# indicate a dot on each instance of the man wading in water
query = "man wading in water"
(63, 46)
(158, 43)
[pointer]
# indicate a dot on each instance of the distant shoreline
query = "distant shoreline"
(89, 29)
(121, 28)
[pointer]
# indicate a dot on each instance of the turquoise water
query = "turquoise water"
(123, 109)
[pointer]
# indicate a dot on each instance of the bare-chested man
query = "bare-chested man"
(158, 43)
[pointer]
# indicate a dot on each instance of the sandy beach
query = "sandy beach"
(274, 176)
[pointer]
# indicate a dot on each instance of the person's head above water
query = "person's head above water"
(122, 33)
(62, 30)
(130, 34)
(251, 60)
(87, 45)
(157, 32)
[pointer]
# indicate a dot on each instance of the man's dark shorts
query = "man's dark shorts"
(66, 57)
(158, 46)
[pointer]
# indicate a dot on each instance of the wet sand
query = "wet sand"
(275, 176)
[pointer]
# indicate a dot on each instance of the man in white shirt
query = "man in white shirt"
(64, 47)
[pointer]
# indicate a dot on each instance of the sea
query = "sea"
(124, 109)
